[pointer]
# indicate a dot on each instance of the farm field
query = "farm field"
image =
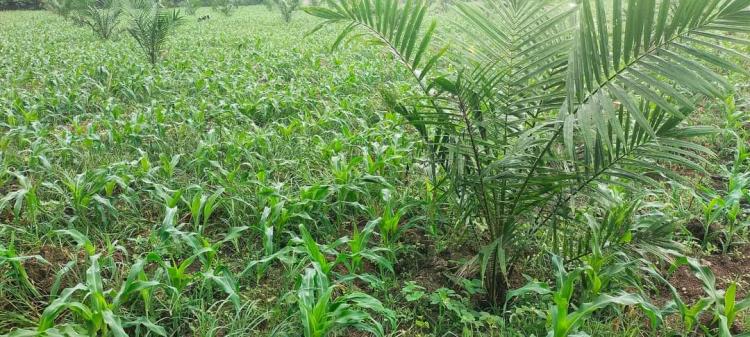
(519, 168)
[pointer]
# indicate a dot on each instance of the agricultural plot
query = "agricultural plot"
(373, 167)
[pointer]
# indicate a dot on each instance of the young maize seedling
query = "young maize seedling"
(322, 313)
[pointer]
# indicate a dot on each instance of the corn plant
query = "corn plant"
(322, 313)
(327, 256)
(206, 251)
(313, 200)
(82, 240)
(170, 201)
(151, 28)
(348, 183)
(723, 303)
(82, 193)
(598, 96)
(723, 209)
(728, 308)
(168, 164)
(97, 310)
(177, 275)
(212, 272)
(390, 224)
(564, 317)
(9, 256)
(25, 195)
(202, 207)
(738, 189)
(314, 253)
(630, 233)
(359, 251)
(304, 246)
(102, 311)
(273, 217)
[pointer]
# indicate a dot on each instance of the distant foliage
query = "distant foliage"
(21, 4)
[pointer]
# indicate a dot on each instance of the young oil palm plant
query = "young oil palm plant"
(103, 17)
(226, 7)
(61, 7)
(152, 26)
(190, 6)
(287, 8)
(552, 100)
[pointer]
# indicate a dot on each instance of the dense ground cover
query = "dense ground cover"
(253, 179)
(243, 104)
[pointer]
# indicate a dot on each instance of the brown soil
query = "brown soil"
(43, 274)
(733, 267)
(421, 260)
(698, 232)
(6, 216)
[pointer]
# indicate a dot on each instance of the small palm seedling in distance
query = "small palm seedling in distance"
(151, 28)
(190, 6)
(61, 7)
(226, 7)
(101, 17)
(287, 8)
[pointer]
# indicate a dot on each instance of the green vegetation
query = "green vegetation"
(286, 8)
(103, 20)
(495, 168)
(151, 27)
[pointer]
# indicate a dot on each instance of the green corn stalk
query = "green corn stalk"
(359, 250)
(390, 223)
(321, 313)
(202, 207)
(314, 253)
(563, 322)
(728, 308)
(168, 164)
(26, 196)
(95, 308)
(9, 255)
